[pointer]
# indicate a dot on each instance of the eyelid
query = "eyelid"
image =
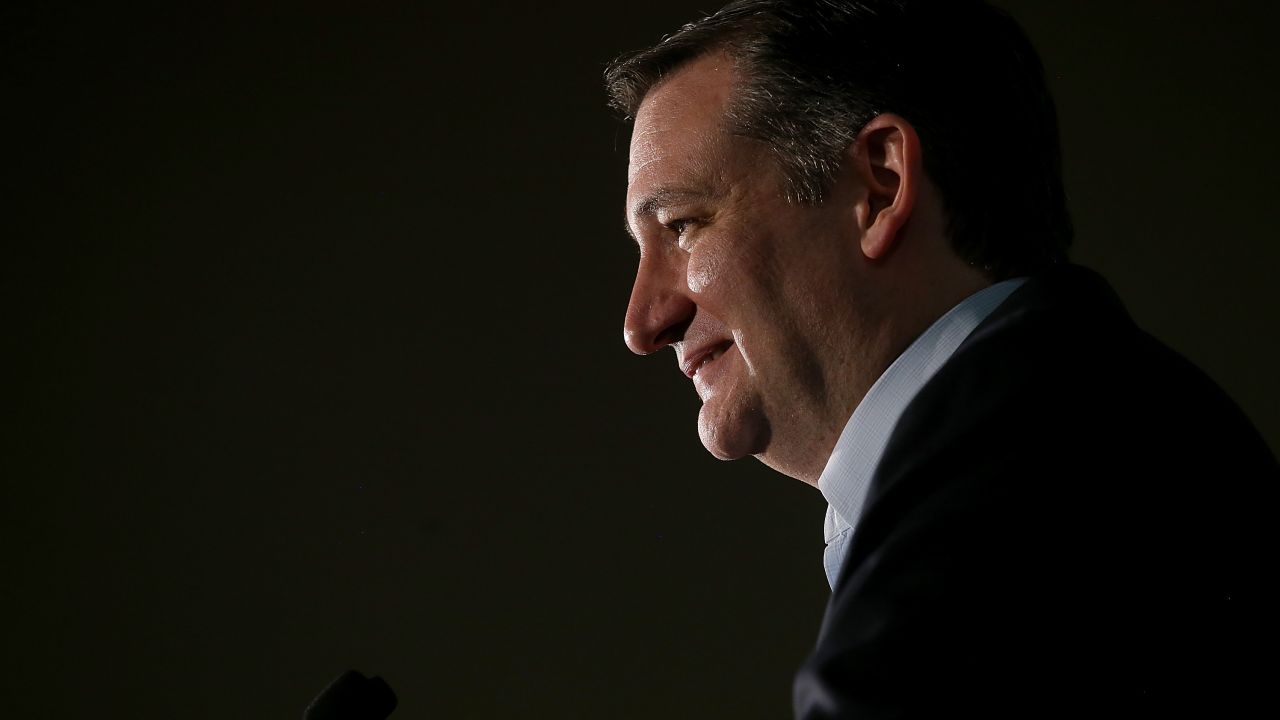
(683, 218)
(678, 225)
(681, 227)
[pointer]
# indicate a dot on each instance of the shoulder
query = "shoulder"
(1059, 383)
(1059, 475)
(1059, 362)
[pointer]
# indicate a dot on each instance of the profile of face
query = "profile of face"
(769, 305)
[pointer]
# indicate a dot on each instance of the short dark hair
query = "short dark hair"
(814, 72)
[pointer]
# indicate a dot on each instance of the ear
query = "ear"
(886, 160)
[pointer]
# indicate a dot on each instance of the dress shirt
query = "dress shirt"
(847, 476)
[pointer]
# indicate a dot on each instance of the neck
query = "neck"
(908, 304)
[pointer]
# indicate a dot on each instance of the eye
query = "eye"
(683, 227)
(679, 226)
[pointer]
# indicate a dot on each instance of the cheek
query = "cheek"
(718, 263)
(704, 271)
(734, 268)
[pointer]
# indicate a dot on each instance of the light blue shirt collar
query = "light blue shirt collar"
(847, 476)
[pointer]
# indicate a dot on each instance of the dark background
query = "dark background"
(314, 326)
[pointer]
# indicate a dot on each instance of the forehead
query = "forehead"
(679, 122)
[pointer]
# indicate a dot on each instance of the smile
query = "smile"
(702, 358)
(709, 358)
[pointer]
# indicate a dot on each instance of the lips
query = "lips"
(702, 356)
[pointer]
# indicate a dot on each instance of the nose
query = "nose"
(660, 309)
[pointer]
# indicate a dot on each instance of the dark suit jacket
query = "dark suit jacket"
(1069, 520)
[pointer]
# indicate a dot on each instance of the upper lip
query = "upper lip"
(693, 360)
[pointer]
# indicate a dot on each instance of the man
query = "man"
(853, 233)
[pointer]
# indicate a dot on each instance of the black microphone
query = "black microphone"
(352, 697)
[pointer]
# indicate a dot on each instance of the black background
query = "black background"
(313, 316)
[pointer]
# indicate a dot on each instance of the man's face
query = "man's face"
(748, 288)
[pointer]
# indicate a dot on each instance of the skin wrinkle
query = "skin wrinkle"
(737, 173)
(810, 302)
(698, 167)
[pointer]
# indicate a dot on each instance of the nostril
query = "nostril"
(654, 332)
(658, 313)
(673, 333)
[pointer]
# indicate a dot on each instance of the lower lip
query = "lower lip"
(710, 371)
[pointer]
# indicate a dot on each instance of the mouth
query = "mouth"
(704, 357)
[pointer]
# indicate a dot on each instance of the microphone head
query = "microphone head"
(353, 696)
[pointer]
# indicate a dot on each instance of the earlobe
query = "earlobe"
(886, 157)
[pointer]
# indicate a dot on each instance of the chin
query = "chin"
(730, 438)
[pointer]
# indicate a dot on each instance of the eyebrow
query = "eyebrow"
(661, 198)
